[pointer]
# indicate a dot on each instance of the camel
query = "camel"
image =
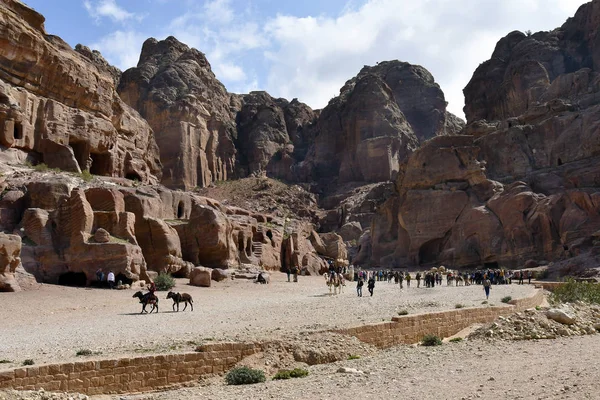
(336, 282)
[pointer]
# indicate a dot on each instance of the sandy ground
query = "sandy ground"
(54, 322)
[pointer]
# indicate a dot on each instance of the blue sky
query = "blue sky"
(307, 48)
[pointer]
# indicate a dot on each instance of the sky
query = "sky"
(307, 49)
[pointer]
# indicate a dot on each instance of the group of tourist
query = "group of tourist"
(486, 278)
(110, 278)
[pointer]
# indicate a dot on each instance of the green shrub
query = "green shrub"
(164, 281)
(484, 302)
(506, 299)
(353, 357)
(572, 291)
(538, 308)
(5, 361)
(84, 352)
(456, 340)
(287, 374)
(244, 376)
(403, 312)
(86, 175)
(459, 306)
(29, 361)
(431, 340)
(41, 167)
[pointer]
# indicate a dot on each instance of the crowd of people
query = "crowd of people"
(433, 277)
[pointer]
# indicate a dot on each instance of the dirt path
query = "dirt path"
(54, 322)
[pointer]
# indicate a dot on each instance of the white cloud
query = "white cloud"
(108, 9)
(219, 11)
(230, 72)
(312, 57)
(121, 48)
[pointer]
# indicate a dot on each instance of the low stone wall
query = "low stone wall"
(412, 328)
(127, 375)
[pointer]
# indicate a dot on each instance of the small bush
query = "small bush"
(41, 167)
(459, 306)
(84, 352)
(164, 281)
(572, 291)
(29, 361)
(456, 340)
(484, 302)
(287, 374)
(5, 361)
(431, 340)
(403, 312)
(506, 299)
(244, 376)
(86, 175)
(353, 357)
(538, 308)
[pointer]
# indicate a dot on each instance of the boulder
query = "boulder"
(219, 274)
(200, 276)
(10, 251)
(101, 236)
(350, 231)
(560, 316)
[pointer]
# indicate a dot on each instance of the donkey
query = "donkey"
(146, 299)
(181, 298)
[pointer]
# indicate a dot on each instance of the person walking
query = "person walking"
(289, 272)
(111, 279)
(487, 285)
(371, 285)
(408, 278)
(359, 286)
(418, 277)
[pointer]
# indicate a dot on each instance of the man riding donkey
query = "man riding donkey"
(150, 297)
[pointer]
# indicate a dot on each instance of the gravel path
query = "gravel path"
(51, 324)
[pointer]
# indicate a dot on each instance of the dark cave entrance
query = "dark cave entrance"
(491, 265)
(429, 251)
(559, 162)
(180, 210)
(132, 176)
(76, 279)
(81, 152)
(101, 164)
(124, 280)
(17, 130)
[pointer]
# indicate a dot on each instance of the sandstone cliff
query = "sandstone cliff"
(524, 183)
(379, 118)
(61, 107)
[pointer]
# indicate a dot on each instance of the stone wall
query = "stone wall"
(128, 375)
(412, 328)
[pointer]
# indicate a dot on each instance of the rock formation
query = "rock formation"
(62, 108)
(524, 183)
(10, 250)
(379, 118)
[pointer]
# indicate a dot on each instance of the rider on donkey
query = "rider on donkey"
(150, 295)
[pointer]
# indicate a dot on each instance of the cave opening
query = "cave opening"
(429, 251)
(132, 176)
(491, 265)
(76, 279)
(81, 152)
(17, 130)
(101, 164)
(559, 162)
(120, 277)
(180, 210)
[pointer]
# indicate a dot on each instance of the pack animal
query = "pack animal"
(181, 298)
(146, 299)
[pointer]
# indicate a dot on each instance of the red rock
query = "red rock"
(10, 251)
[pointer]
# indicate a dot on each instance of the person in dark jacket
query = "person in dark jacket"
(371, 285)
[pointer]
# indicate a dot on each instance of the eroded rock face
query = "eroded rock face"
(379, 118)
(62, 108)
(174, 88)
